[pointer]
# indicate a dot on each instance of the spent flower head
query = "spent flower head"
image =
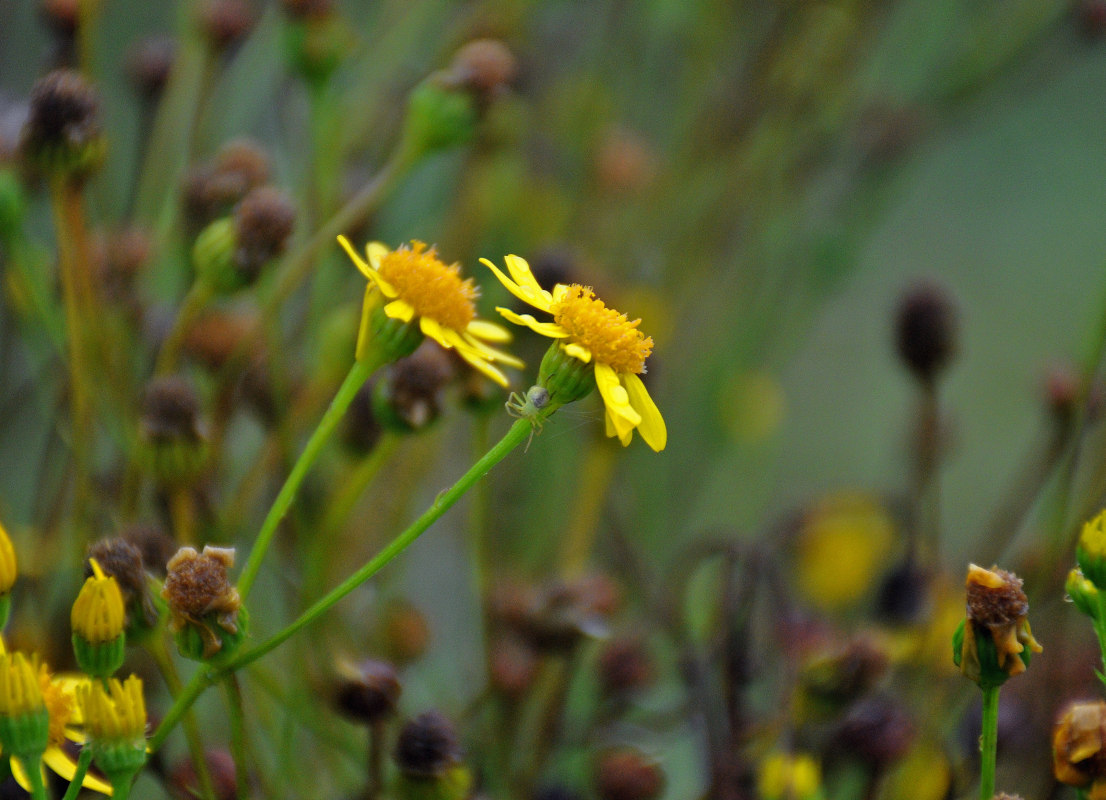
(417, 285)
(588, 332)
(994, 641)
(207, 613)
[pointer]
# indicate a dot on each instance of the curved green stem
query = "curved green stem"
(237, 735)
(356, 378)
(988, 743)
(84, 760)
(1100, 631)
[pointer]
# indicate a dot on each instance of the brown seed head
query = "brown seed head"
(877, 730)
(404, 632)
(485, 66)
(171, 410)
(123, 561)
(414, 384)
(64, 115)
(628, 775)
(197, 584)
(925, 330)
(226, 22)
(149, 63)
(263, 222)
(368, 692)
(995, 596)
(308, 9)
(513, 667)
(625, 665)
(154, 544)
(218, 334)
(427, 745)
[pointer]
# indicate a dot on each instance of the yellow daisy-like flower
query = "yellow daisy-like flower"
(593, 333)
(27, 687)
(417, 284)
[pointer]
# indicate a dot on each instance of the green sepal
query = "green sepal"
(120, 761)
(1093, 567)
(438, 116)
(101, 659)
(391, 339)
(174, 462)
(26, 736)
(5, 610)
(565, 377)
(209, 641)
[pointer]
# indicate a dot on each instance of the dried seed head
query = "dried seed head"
(226, 22)
(63, 133)
(427, 745)
(63, 16)
(171, 410)
(628, 775)
(404, 632)
(925, 330)
(831, 681)
(263, 222)
(485, 66)
(367, 692)
(154, 544)
(149, 63)
(1078, 756)
(409, 397)
(512, 667)
(212, 189)
(994, 641)
(218, 334)
(903, 596)
(201, 597)
(625, 665)
(995, 596)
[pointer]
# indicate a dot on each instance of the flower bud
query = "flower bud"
(994, 642)
(1078, 757)
(115, 721)
(628, 775)
(565, 377)
(1090, 553)
(149, 63)
(427, 746)
(316, 40)
(24, 720)
(123, 561)
(63, 135)
(438, 117)
(207, 614)
(368, 692)
(783, 776)
(98, 618)
(925, 330)
(1082, 593)
(226, 22)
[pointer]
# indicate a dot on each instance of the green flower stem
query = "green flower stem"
(203, 677)
(34, 775)
(194, 302)
(1100, 630)
(356, 378)
(988, 743)
(237, 735)
(83, 762)
(121, 789)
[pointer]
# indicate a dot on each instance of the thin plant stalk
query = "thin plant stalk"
(376, 759)
(38, 787)
(202, 678)
(988, 743)
(356, 378)
(238, 746)
(84, 760)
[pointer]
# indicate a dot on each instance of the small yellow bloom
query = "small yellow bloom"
(20, 692)
(98, 614)
(417, 284)
(1090, 553)
(116, 714)
(7, 562)
(588, 330)
(788, 777)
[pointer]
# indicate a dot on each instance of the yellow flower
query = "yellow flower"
(7, 562)
(27, 687)
(118, 715)
(417, 284)
(586, 329)
(788, 777)
(98, 614)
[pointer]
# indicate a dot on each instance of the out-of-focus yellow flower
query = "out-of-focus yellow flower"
(842, 546)
(7, 562)
(922, 774)
(115, 719)
(417, 285)
(783, 776)
(590, 332)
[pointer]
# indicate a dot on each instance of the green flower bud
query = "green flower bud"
(1082, 593)
(438, 116)
(24, 719)
(315, 46)
(566, 377)
(1090, 553)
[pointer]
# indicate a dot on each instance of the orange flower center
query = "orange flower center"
(433, 289)
(58, 703)
(612, 339)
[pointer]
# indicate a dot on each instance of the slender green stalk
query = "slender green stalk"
(356, 378)
(237, 735)
(202, 678)
(1100, 632)
(988, 743)
(194, 302)
(84, 760)
(377, 731)
(34, 775)
(121, 789)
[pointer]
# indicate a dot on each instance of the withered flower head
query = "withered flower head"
(627, 774)
(171, 410)
(925, 330)
(486, 66)
(367, 692)
(263, 222)
(427, 745)
(408, 397)
(200, 595)
(149, 63)
(1078, 758)
(995, 641)
(63, 134)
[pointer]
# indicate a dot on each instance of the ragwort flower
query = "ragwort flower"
(417, 284)
(587, 330)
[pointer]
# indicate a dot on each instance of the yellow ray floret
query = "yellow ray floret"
(116, 714)
(98, 614)
(415, 284)
(592, 332)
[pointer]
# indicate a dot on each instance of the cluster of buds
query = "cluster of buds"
(994, 642)
(63, 135)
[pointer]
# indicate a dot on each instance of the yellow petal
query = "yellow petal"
(433, 330)
(60, 762)
(577, 350)
(652, 427)
(490, 353)
(364, 327)
(520, 271)
(366, 270)
(484, 367)
(489, 331)
(538, 298)
(401, 310)
(550, 329)
(615, 398)
(376, 251)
